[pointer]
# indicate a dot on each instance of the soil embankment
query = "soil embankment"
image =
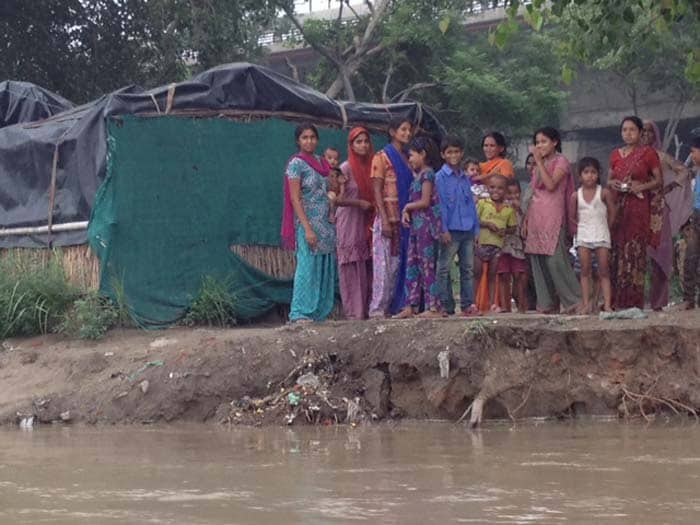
(519, 366)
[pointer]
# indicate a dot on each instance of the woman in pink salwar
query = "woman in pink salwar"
(353, 222)
(545, 225)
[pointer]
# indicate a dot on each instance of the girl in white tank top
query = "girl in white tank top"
(593, 209)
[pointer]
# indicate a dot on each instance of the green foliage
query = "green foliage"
(33, 295)
(608, 33)
(90, 317)
(215, 304)
(513, 90)
(85, 48)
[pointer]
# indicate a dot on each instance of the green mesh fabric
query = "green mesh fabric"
(178, 193)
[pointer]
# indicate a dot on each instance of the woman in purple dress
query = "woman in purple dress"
(353, 225)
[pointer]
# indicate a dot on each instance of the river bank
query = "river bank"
(505, 366)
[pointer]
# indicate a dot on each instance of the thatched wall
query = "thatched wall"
(81, 266)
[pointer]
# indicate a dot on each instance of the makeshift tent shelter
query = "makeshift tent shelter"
(27, 102)
(186, 172)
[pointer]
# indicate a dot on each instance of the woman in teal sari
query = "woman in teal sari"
(306, 228)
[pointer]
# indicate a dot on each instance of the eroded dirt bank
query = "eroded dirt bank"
(516, 367)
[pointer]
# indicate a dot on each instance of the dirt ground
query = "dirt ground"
(505, 366)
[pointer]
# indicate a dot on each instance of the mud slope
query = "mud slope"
(498, 367)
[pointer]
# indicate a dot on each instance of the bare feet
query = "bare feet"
(472, 311)
(495, 309)
(430, 314)
(406, 313)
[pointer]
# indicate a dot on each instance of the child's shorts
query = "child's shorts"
(509, 264)
(593, 245)
(487, 252)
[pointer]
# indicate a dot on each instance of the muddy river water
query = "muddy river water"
(412, 472)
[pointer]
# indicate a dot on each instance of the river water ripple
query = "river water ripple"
(414, 472)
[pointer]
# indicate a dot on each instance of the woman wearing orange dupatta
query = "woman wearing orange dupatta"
(635, 176)
(495, 148)
(353, 222)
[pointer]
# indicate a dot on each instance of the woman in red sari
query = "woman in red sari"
(635, 177)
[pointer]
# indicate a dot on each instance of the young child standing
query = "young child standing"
(691, 232)
(497, 219)
(460, 226)
(512, 267)
(593, 211)
(422, 216)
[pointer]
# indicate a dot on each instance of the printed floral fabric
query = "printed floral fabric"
(314, 197)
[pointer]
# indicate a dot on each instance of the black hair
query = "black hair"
(695, 143)
(549, 132)
(336, 171)
(332, 148)
(589, 162)
(301, 128)
(395, 123)
(470, 160)
(634, 119)
(500, 140)
(498, 176)
(527, 159)
(451, 141)
(427, 145)
(513, 182)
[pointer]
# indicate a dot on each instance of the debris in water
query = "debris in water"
(354, 410)
(26, 422)
(293, 399)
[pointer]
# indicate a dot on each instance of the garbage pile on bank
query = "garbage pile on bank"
(314, 392)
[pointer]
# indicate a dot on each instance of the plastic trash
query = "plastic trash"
(309, 380)
(444, 362)
(629, 313)
(158, 362)
(293, 399)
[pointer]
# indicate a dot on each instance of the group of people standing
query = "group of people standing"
(386, 226)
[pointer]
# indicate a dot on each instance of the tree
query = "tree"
(614, 20)
(330, 40)
(36, 39)
(85, 48)
(633, 40)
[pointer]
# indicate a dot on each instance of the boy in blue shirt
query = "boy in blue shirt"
(691, 279)
(460, 226)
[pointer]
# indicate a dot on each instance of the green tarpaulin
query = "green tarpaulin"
(178, 193)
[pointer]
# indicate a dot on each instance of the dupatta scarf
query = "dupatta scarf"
(635, 166)
(404, 176)
(288, 233)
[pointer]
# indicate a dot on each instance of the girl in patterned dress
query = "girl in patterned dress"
(422, 215)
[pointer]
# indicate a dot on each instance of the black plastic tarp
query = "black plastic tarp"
(27, 102)
(76, 139)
